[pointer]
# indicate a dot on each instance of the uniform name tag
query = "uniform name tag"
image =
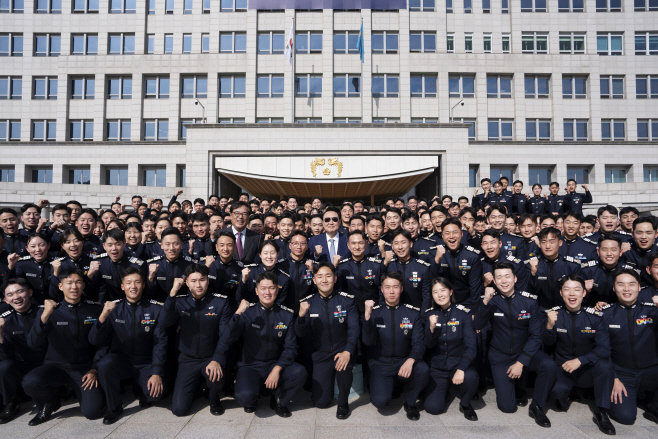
(542, 278)
(381, 326)
(17, 332)
(315, 315)
(185, 313)
(615, 326)
(561, 330)
(31, 274)
(255, 326)
(62, 323)
(119, 321)
(349, 277)
(107, 277)
(499, 314)
(162, 278)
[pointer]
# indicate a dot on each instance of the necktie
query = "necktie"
(238, 243)
(332, 249)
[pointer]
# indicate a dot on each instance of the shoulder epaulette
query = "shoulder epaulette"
(24, 258)
(631, 267)
(252, 304)
(648, 304)
(91, 302)
(526, 294)
(571, 259)
(202, 259)
(472, 249)
(412, 307)
(101, 256)
(188, 259)
(137, 261)
(182, 295)
(221, 296)
(306, 298)
(587, 240)
(593, 311)
(346, 295)
(376, 307)
(513, 259)
(607, 306)
(280, 260)
(6, 313)
(155, 302)
(284, 272)
(61, 258)
(251, 265)
(420, 261)
(431, 234)
(240, 264)
(427, 310)
(117, 301)
(374, 259)
(590, 264)
(556, 308)
(463, 308)
(155, 259)
(426, 238)
(587, 235)
(285, 308)
(514, 234)
(621, 232)
(345, 260)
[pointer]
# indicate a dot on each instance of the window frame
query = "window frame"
(158, 79)
(195, 89)
(233, 42)
(348, 77)
(48, 87)
(308, 77)
(271, 50)
(87, 9)
(612, 123)
(11, 126)
(120, 130)
(85, 87)
(537, 122)
(84, 125)
(46, 129)
(123, 9)
(534, 7)
(647, 43)
(49, 44)
(386, 77)
(535, 80)
(499, 94)
(270, 94)
(460, 78)
(423, 77)
(85, 44)
(573, 94)
(572, 46)
(574, 129)
(611, 81)
(500, 121)
(652, 130)
(14, 88)
(233, 94)
(422, 35)
(535, 50)
(157, 127)
(308, 35)
(233, 7)
(609, 36)
(609, 7)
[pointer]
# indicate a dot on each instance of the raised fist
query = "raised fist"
(303, 308)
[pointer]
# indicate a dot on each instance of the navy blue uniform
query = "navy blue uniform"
(4, 267)
(633, 334)
(137, 337)
(153, 249)
(269, 341)
(247, 290)
(556, 204)
(69, 356)
(107, 280)
(603, 281)
(301, 281)
(167, 272)
(520, 204)
(546, 283)
(416, 277)
(37, 274)
(82, 263)
(513, 245)
(504, 199)
(425, 248)
(138, 251)
(225, 279)
(573, 202)
(530, 250)
(451, 347)
(92, 245)
(581, 249)
(581, 335)
(202, 323)
(596, 236)
(202, 247)
(521, 270)
(517, 327)
(479, 201)
(394, 334)
(640, 259)
(19, 358)
(361, 279)
(537, 205)
(463, 269)
(332, 323)
(647, 294)
(16, 243)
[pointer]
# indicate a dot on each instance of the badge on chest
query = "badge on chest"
(406, 325)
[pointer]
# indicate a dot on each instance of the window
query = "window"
(154, 177)
(150, 44)
(187, 43)
(10, 130)
(48, 6)
(345, 42)
(646, 86)
(486, 6)
(270, 43)
(613, 129)
(347, 86)
(608, 5)
(504, 6)
(47, 44)
(44, 129)
(82, 87)
(486, 43)
(536, 87)
(194, 86)
(41, 174)
(84, 44)
(187, 6)
(422, 42)
(537, 129)
(579, 173)
(232, 42)
(462, 86)
(80, 130)
(269, 120)
(424, 120)
(500, 129)
(183, 126)
(169, 43)
(45, 87)
(609, 43)
(116, 175)
(473, 171)
(11, 6)
(79, 175)
(169, 7)
(118, 130)
(448, 6)
(646, 43)
(571, 5)
(506, 45)
(6, 172)
(534, 42)
(499, 86)
(575, 130)
(232, 86)
(647, 129)
(471, 126)
(233, 5)
(123, 6)
(421, 5)
(423, 86)
(496, 172)
(308, 120)
(205, 43)
(385, 86)
(574, 87)
(119, 87)
(540, 174)
(206, 6)
(230, 120)
(151, 7)
(309, 42)
(650, 174)
(308, 86)
(156, 129)
(85, 6)
(181, 174)
(533, 5)
(11, 87)
(468, 6)
(615, 174)
(450, 40)
(157, 87)
(385, 120)
(612, 87)
(384, 42)
(347, 120)
(572, 42)
(11, 44)
(646, 5)
(468, 43)
(270, 86)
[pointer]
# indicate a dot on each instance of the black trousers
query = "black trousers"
(251, 377)
(113, 368)
(439, 384)
(191, 371)
(383, 378)
(324, 375)
(599, 375)
(11, 375)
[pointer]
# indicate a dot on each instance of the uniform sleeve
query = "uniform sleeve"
(289, 348)
(171, 313)
(353, 328)
(426, 291)
(301, 325)
(38, 335)
(7, 347)
(242, 292)
(482, 316)
(470, 344)
(160, 340)
(533, 343)
(225, 318)
(430, 337)
(369, 332)
(100, 332)
(418, 339)
(234, 330)
(522, 277)
(602, 348)
(283, 292)
(587, 198)
(475, 285)
(549, 336)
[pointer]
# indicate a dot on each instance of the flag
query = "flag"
(360, 45)
(289, 43)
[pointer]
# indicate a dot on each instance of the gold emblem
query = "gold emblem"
(337, 163)
(329, 162)
(326, 171)
(314, 164)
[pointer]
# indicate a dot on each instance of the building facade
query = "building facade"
(103, 93)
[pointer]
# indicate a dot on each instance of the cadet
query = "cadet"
(499, 197)
(422, 246)
(4, 263)
(582, 249)
(516, 323)
(107, 281)
(203, 318)
(70, 360)
(331, 320)
(537, 205)
(20, 359)
(451, 348)
(481, 200)
(203, 244)
(270, 347)
(513, 245)
(555, 201)
(35, 268)
(549, 268)
(286, 228)
(582, 350)
(608, 224)
(491, 246)
(374, 230)
(225, 272)
(633, 330)
(574, 201)
(527, 224)
(163, 270)
(268, 253)
(60, 223)
(650, 292)
(394, 335)
(300, 269)
(15, 241)
(520, 201)
(416, 273)
(643, 246)
(71, 243)
(86, 223)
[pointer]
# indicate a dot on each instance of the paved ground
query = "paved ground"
(366, 422)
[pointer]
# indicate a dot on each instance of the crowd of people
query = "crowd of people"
(518, 293)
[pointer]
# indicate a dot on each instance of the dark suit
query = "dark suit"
(250, 248)
(322, 240)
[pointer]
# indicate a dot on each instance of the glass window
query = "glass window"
(347, 86)
(308, 86)
(473, 175)
(169, 44)
(422, 42)
(232, 86)
(499, 86)
(575, 130)
(461, 86)
(155, 177)
(308, 42)
(116, 176)
(609, 43)
(187, 43)
(205, 43)
(534, 42)
(385, 86)
(540, 174)
(271, 43)
(574, 87)
(615, 174)
(650, 173)
(613, 129)
(500, 129)
(612, 87)
(79, 176)
(647, 129)
(270, 86)
(345, 42)
(6, 173)
(42, 175)
(497, 172)
(384, 42)
(537, 129)
(536, 87)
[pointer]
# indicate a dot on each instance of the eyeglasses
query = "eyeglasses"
(243, 214)
(332, 219)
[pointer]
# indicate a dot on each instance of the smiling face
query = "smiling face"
(267, 291)
(172, 247)
(133, 287)
(286, 227)
(85, 224)
(270, 225)
(550, 246)
(573, 293)
(357, 246)
(627, 288)
(609, 252)
(528, 229)
(18, 297)
(72, 288)
(114, 248)
(31, 218)
(37, 247)
(392, 220)
(331, 222)
(201, 228)
(441, 295)
(644, 235)
(505, 281)
(325, 280)
(491, 247)
(452, 236)
(133, 236)
(571, 227)
(608, 222)
(73, 247)
(269, 256)
(225, 247)
(375, 230)
(411, 226)
(401, 247)
(497, 220)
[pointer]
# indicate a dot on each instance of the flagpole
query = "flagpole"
(293, 69)
(361, 78)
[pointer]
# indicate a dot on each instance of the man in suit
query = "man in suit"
(331, 244)
(247, 242)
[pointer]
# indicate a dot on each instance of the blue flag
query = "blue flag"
(359, 43)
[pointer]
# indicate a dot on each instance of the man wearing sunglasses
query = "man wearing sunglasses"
(330, 246)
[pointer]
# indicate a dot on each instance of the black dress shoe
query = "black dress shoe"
(9, 412)
(343, 411)
(249, 409)
(521, 399)
(537, 413)
(111, 417)
(476, 397)
(412, 412)
(602, 420)
(562, 405)
(468, 412)
(217, 409)
(282, 412)
(651, 413)
(143, 403)
(46, 411)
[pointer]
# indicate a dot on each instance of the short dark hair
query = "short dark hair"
(590, 219)
(356, 218)
(544, 233)
(240, 204)
(132, 270)
(29, 206)
(575, 215)
(407, 215)
(621, 271)
(16, 281)
(375, 217)
(117, 234)
(624, 211)
(502, 266)
(267, 275)
(357, 232)
(77, 203)
(449, 221)
(642, 220)
(491, 232)
(201, 217)
(572, 277)
(299, 233)
(609, 237)
(179, 214)
(503, 178)
(554, 183)
(322, 265)
(466, 210)
(400, 231)
(90, 211)
(392, 275)
(8, 210)
(271, 242)
(608, 208)
(70, 271)
(226, 234)
(485, 180)
(331, 209)
(136, 196)
(170, 231)
(67, 233)
(524, 217)
(498, 207)
(197, 268)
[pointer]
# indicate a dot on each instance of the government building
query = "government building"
(120, 97)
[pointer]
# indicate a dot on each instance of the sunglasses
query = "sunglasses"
(333, 219)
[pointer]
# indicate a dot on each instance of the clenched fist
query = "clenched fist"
(552, 319)
(489, 292)
(303, 308)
